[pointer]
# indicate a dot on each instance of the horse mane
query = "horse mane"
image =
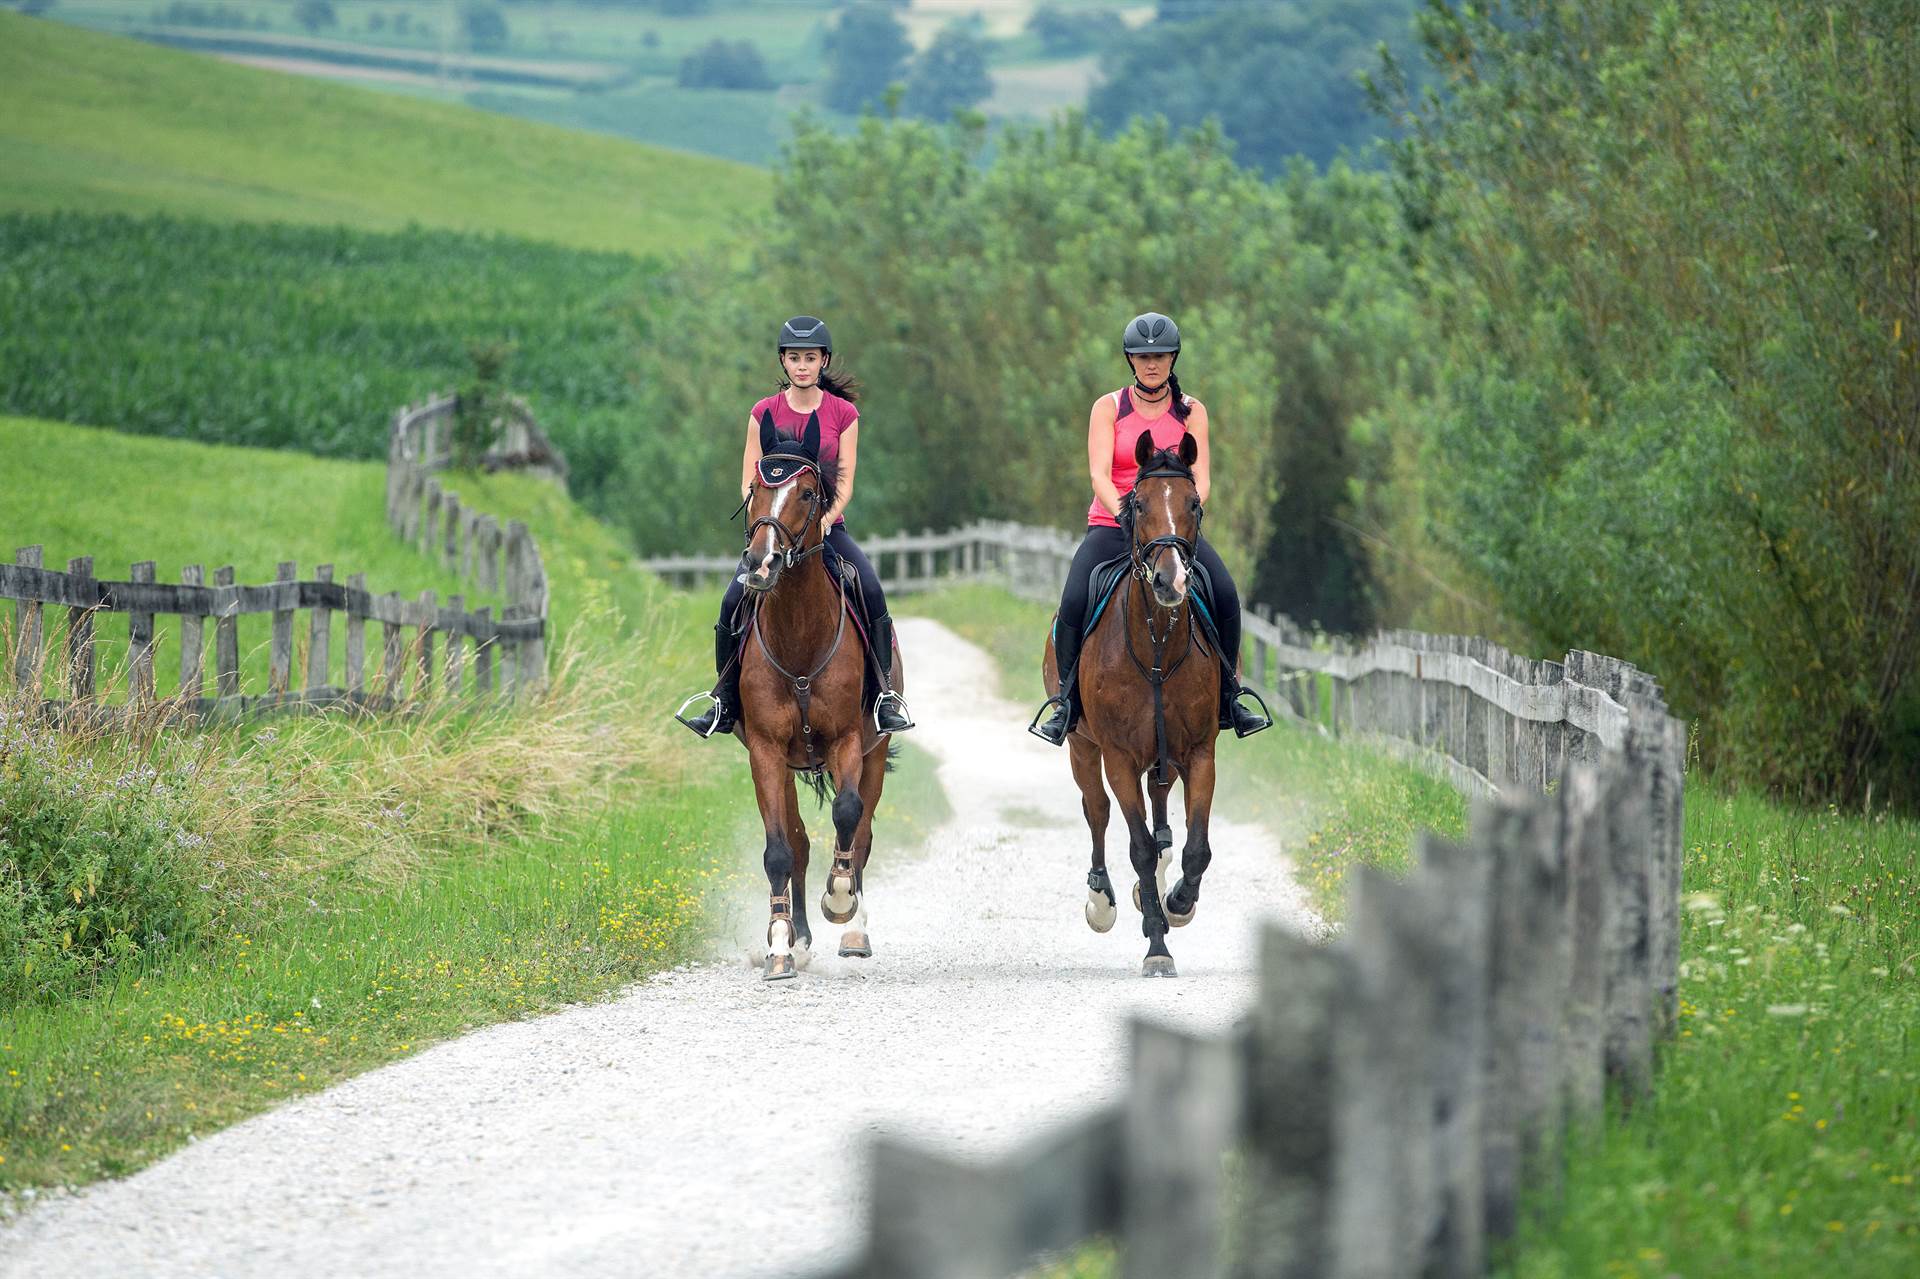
(1167, 460)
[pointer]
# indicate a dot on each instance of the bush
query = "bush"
(314, 15)
(1062, 32)
(485, 25)
(725, 64)
(866, 51)
(100, 861)
(950, 76)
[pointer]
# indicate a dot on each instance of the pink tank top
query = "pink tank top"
(836, 415)
(1127, 426)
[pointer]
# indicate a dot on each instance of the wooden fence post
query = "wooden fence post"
(1281, 1229)
(28, 631)
(193, 639)
(450, 531)
(80, 672)
(319, 636)
(483, 655)
(1181, 1113)
(226, 635)
(457, 605)
(1586, 793)
(393, 676)
(426, 615)
(280, 655)
(1629, 993)
(140, 641)
(430, 526)
(356, 638)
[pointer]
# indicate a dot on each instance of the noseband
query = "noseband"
(775, 470)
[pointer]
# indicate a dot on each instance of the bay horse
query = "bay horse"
(1150, 700)
(801, 708)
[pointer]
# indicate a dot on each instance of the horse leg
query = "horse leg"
(1101, 908)
(1125, 784)
(797, 840)
(1194, 858)
(769, 790)
(1162, 833)
(856, 942)
(841, 899)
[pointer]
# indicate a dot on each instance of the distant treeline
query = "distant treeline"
(1621, 354)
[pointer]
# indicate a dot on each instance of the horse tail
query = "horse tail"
(893, 755)
(816, 781)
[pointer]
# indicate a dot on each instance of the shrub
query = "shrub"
(725, 64)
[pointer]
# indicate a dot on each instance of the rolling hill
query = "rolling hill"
(97, 123)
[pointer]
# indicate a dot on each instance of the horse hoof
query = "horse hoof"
(1101, 912)
(838, 902)
(1158, 966)
(855, 944)
(1181, 921)
(779, 968)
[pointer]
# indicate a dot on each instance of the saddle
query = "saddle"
(856, 603)
(1104, 582)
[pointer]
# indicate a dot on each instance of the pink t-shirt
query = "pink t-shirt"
(836, 416)
(1127, 427)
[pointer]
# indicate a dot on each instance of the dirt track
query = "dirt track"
(707, 1123)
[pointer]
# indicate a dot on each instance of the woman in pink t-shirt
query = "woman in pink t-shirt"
(1155, 404)
(808, 387)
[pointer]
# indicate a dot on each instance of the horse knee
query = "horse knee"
(846, 814)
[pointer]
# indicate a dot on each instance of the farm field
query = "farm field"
(97, 123)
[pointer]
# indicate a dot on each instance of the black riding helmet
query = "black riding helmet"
(805, 332)
(1150, 333)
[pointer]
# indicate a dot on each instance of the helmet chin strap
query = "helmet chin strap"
(1154, 394)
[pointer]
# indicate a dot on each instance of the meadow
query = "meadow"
(97, 123)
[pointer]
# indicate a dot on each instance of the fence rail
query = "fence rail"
(1390, 1092)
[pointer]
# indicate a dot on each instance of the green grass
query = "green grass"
(97, 123)
(743, 125)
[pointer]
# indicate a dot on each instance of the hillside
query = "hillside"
(99, 123)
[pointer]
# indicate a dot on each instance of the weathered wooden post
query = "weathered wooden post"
(1587, 795)
(483, 654)
(393, 677)
(356, 637)
(28, 628)
(1181, 1113)
(1282, 1227)
(140, 640)
(226, 634)
(280, 655)
(319, 638)
(193, 639)
(430, 526)
(425, 617)
(1629, 992)
(488, 538)
(450, 531)
(80, 669)
(456, 605)
(469, 539)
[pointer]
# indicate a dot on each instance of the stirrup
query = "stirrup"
(1058, 700)
(717, 712)
(1235, 709)
(891, 698)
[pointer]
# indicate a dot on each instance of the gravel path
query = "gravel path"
(706, 1123)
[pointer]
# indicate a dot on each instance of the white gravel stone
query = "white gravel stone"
(705, 1123)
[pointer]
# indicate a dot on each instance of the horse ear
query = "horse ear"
(1143, 449)
(769, 434)
(810, 438)
(1189, 449)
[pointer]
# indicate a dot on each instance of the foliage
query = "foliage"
(296, 337)
(1297, 317)
(725, 64)
(1068, 31)
(481, 403)
(866, 51)
(314, 14)
(92, 123)
(485, 25)
(949, 76)
(1280, 79)
(1675, 251)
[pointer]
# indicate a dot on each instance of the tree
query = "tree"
(866, 51)
(314, 14)
(724, 64)
(951, 75)
(485, 25)
(1062, 32)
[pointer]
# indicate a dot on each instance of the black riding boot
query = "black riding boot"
(1065, 703)
(723, 710)
(1245, 721)
(889, 709)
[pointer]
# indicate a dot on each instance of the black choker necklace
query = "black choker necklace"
(1152, 395)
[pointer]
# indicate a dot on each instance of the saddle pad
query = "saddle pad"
(1107, 576)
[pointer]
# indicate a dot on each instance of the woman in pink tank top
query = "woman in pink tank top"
(1154, 405)
(808, 389)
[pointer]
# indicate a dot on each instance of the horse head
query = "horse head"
(1163, 516)
(790, 493)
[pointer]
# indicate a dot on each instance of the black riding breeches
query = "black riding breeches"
(1102, 544)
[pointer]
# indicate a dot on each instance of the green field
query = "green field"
(90, 122)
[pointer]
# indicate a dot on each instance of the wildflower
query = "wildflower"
(1786, 1010)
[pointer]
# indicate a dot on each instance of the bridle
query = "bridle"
(1142, 555)
(775, 470)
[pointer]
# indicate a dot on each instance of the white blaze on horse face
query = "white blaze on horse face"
(1179, 560)
(766, 544)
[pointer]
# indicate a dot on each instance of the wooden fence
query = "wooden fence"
(501, 654)
(1391, 1092)
(469, 541)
